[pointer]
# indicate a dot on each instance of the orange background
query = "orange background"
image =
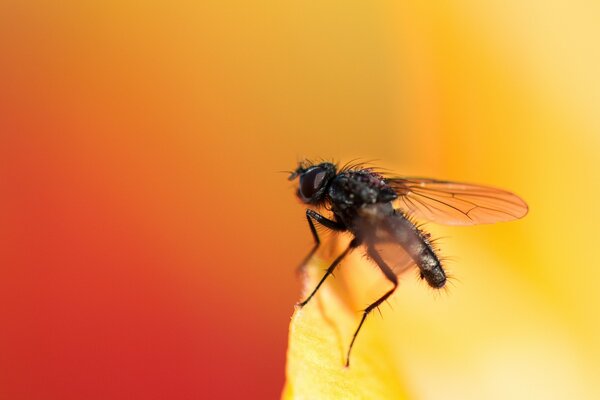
(148, 242)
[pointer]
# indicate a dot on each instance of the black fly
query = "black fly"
(375, 209)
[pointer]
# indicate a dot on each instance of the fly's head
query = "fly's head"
(313, 181)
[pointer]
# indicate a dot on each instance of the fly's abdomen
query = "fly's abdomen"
(417, 245)
(431, 268)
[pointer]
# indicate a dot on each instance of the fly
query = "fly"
(378, 211)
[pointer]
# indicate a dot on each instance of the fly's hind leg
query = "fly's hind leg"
(391, 276)
(333, 225)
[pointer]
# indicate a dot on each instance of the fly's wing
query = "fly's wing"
(454, 203)
(395, 256)
(385, 242)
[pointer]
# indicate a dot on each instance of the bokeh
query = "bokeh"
(149, 239)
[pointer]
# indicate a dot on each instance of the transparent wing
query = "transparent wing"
(390, 250)
(454, 203)
(380, 228)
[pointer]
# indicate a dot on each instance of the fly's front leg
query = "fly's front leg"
(333, 225)
(354, 243)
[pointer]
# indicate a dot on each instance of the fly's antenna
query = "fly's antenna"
(291, 174)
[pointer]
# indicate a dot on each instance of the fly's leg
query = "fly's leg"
(333, 225)
(353, 244)
(391, 276)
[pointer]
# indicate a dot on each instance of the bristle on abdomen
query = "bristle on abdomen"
(431, 270)
(418, 245)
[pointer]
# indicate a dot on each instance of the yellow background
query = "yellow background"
(150, 243)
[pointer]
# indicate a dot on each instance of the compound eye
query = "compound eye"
(311, 181)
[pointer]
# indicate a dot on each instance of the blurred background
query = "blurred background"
(148, 242)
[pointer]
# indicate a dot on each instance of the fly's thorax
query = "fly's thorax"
(357, 188)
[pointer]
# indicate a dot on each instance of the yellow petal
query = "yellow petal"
(320, 334)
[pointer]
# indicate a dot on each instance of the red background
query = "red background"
(148, 241)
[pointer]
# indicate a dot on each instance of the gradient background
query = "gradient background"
(147, 242)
